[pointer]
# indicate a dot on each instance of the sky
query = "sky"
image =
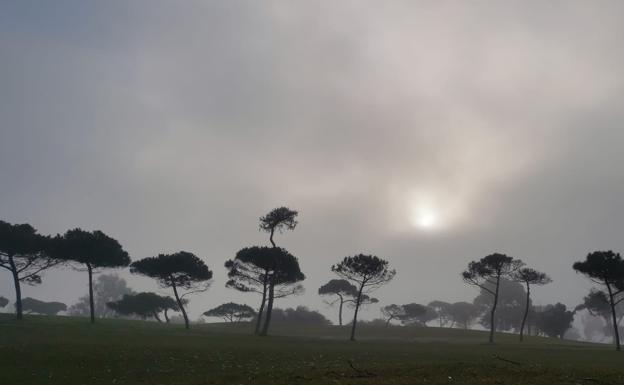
(428, 133)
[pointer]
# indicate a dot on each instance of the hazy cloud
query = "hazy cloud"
(175, 126)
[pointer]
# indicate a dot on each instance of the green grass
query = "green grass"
(64, 350)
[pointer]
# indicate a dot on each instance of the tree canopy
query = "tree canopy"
(280, 219)
(143, 305)
(511, 304)
(463, 313)
(416, 314)
(441, 310)
(346, 292)
(489, 270)
(270, 271)
(33, 305)
(3, 301)
(106, 288)
(391, 312)
(606, 268)
(232, 312)
(529, 277)
(555, 320)
(26, 255)
(368, 272)
(92, 249)
(178, 270)
(301, 316)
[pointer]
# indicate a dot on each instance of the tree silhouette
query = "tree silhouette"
(390, 312)
(252, 270)
(106, 288)
(25, 254)
(94, 250)
(596, 302)
(31, 305)
(408, 314)
(606, 268)
(232, 312)
(441, 310)
(511, 302)
(414, 313)
(491, 269)
(346, 293)
(281, 218)
(179, 270)
(463, 313)
(368, 272)
(283, 278)
(3, 301)
(299, 316)
(555, 320)
(529, 277)
(144, 305)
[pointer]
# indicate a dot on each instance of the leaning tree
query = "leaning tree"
(252, 271)
(606, 268)
(181, 270)
(280, 219)
(368, 273)
(529, 277)
(597, 304)
(345, 292)
(90, 251)
(488, 272)
(25, 254)
(392, 311)
(232, 312)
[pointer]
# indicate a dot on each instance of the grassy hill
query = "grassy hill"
(65, 350)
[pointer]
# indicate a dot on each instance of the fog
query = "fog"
(428, 133)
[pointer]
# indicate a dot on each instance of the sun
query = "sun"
(424, 218)
(426, 221)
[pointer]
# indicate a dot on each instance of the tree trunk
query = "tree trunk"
(616, 332)
(340, 310)
(166, 316)
(175, 292)
(355, 313)
(271, 237)
(18, 289)
(267, 321)
(526, 311)
(261, 309)
(493, 312)
(157, 317)
(91, 303)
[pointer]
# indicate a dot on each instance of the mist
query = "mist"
(427, 133)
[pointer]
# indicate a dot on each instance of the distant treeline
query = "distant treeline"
(504, 301)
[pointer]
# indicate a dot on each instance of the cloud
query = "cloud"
(176, 126)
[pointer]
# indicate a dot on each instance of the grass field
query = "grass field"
(64, 350)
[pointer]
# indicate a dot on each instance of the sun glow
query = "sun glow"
(424, 218)
(427, 210)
